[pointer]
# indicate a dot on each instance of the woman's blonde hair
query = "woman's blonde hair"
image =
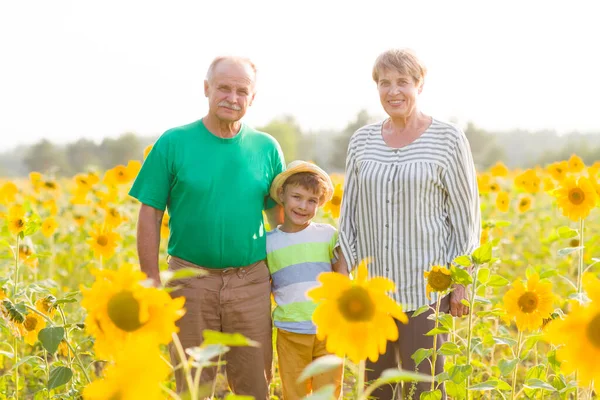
(402, 60)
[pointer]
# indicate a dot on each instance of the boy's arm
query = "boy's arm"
(340, 265)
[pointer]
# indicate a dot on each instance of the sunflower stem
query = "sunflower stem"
(16, 282)
(361, 379)
(518, 355)
(434, 354)
(214, 387)
(580, 265)
(186, 367)
(16, 355)
(470, 326)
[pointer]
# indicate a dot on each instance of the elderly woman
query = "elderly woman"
(410, 203)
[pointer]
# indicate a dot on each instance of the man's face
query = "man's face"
(230, 90)
(398, 93)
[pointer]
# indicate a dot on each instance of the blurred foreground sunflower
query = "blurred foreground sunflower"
(118, 307)
(579, 335)
(530, 305)
(356, 317)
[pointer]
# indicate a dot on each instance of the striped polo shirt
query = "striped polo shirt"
(409, 208)
(295, 260)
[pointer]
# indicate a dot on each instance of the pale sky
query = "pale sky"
(71, 69)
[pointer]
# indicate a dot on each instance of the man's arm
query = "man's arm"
(340, 266)
(148, 241)
(275, 216)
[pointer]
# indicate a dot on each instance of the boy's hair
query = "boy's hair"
(309, 181)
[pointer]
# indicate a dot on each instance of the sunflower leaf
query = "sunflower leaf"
(420, 310)
(227, 339)
(420, 355)
(539, 384)
(497, 281)
(51, 337)
(506, 367)
(202, 355)
(483, 254)
(564, 232)
(395, 375)
(319, 366)
(568, 250)
(184, 273)
(59, 376)
(484, 386)
(459, 373)
(449, 349)
(483, 275)
(232, 396)
(431, 395)
(437, 331)
(461, 276)
(464, 261)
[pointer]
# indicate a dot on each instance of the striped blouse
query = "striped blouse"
(409, 208)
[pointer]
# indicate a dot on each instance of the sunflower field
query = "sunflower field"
(79, 320)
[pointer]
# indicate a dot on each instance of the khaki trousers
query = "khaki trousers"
(295, 351)
(398, 354)
(232, 300)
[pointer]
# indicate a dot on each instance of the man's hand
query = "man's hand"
(457, 308)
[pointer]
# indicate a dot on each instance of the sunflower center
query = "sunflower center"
(336, 200)
(356, 305)
(576, 196)
(593, 331)
(439, 281)
(574, 242)
(124, 311)
(121, 174)
(102, 240)
(528, 302)
(19, 223)
(50, 185)
(30, 323)
(524, 202)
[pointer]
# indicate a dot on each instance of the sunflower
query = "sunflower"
(16, 219)
(524, 204)
(33, 324)
(164, 226)
(36, 180)
(147, 150)
(27, 255)
(137, 372)
(558, 170)
(333, 206)
(3, 294)
(548, 184)
(49, 227)
(439, 280)
(8, 193)
(355, 317)
(530, 305)
(483, 183)
(45, 305)
(576, 164)
(103, 241)
(118, 307)
(499, 169)
(502, 201)
(576, 197)
(50, 205)
(579, 333)
(113, 217)
(121, 174)
(63, 349)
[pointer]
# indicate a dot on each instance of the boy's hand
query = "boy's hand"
(457, 308)
(340, 266)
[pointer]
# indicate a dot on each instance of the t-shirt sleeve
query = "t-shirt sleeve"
(277, 166)
(333, 246)
(153, 183)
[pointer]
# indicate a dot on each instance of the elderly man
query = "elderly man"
(214, 175)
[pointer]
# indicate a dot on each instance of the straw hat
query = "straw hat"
(301, 166)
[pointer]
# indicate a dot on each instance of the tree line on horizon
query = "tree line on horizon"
(516, 148)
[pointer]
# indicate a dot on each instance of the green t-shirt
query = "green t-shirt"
(215, 190)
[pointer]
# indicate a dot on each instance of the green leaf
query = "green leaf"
(484, 386)
(569, 250)
(203, 355)
(13, 313)
(395, 375)
(504, 340)
(564, 232)
(226, 339)
(459, 373)
(483, 254)
(437, 331)
(59, 376)
(539, 384)
(327, 392)
(432, 395)
(553, 361)
(456, 390)
(319, 366)
(449, 349)
(502, 385)
(507, 366)
(464, 261)
(497, 281)
(420, 355)
(461, 276)
(51, 337)
(483, 275)
(420, 310)
(183, 273)
(482, 300)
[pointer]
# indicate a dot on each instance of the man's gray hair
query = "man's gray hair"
(240, 60)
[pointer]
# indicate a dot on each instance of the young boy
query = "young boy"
(297, 252)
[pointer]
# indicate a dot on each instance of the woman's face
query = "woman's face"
(398, 93)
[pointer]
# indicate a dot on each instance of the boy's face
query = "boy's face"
(300, 206)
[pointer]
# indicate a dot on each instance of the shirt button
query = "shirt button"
(387, 225)
(386, 246)
(387, 269)
(387, 201)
